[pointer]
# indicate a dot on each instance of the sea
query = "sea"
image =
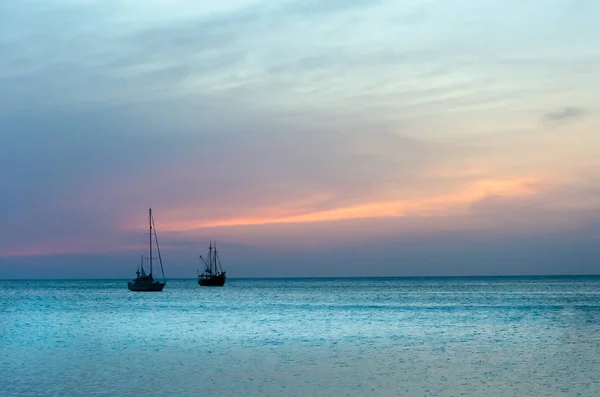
(471, 336)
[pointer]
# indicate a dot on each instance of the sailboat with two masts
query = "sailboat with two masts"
(213, 274)
(145, 282)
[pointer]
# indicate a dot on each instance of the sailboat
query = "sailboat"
(145, 282)
(213, 274)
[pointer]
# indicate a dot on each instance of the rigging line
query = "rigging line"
(158, 249)
(205, 264)
(218, 262)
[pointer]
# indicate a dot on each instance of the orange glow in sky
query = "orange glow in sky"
(425, 206)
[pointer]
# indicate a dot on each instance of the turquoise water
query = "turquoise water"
(303, 337)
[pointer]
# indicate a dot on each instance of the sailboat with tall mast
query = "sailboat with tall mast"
(213, 274)
(145, 282)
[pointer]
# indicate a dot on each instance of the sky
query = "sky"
(313, 138)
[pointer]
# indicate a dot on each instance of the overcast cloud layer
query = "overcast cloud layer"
(345, 138)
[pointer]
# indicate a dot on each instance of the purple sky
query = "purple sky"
(338, 138)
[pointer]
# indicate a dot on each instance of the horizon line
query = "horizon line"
(316, 277)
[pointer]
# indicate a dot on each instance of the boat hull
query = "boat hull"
(146, 287)
(216, 281)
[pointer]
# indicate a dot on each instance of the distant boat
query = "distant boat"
(213, 274)
(144, 282)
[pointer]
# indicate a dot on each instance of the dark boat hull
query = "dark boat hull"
(215, 281)
(146, 287)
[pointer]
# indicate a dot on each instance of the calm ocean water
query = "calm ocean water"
(531, 336)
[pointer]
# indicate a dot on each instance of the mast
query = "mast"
(210, 260)
(150, 221)
(216, 260)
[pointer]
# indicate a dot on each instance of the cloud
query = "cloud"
(564, 114)
(438, 204)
